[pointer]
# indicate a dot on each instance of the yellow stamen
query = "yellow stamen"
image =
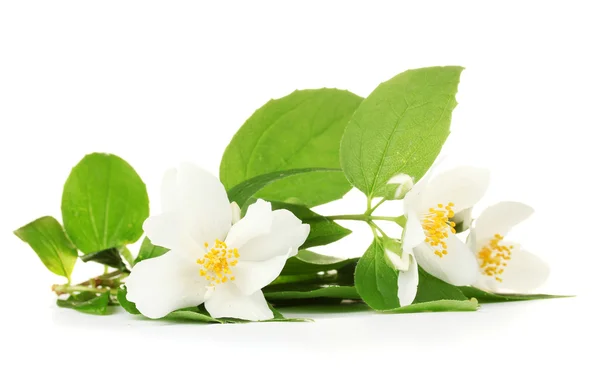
(437, 227)
(493, 257)
(217, 262)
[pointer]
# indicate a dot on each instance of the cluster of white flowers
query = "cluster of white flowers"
(223, 261)
(486, 260)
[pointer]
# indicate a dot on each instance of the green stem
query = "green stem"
(61, 289)
(372, 210)
(363, 217)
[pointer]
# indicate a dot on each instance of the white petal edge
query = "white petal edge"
(251, 276)
(459, 267)
(524, 273)
(286, 235)
(227, 301)
(464, 186)
(236, 213)
(257, 221)
(408, 281)
(164, 284)
(203, 204)
(167, 230)
(413, 232)
(500, 218)
(168, 192)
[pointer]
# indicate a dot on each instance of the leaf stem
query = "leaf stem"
(371, 210)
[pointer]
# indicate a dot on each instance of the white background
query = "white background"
(158, 83)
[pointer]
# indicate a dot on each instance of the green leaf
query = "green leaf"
(197, 314)
(244, 191)
(433, 289)
(488, 297)
(104, 203)
(301, 130)
(399, 128)
(308, 262)
(149, 251)
(436, 306)
(126, 304)
(48, 239)
(87, 302)
(316, 291)
(322, 230)
(110, 257)
(376, 280)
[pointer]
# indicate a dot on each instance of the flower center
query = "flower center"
(493, 257)
(436, 225)
(216, 264)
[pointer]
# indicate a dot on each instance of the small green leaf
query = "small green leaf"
(308, 262)
(110, 257)
(87, 302)
(48, 239)
(126, 304)
(244, 191)
(315, 291)
(399, 128)
(149, 251)
(197, 314)
(488, 297)
(301, 130)
(437, 306)
(322, 230)
(433, 289)
(104, 203)
(376, 280)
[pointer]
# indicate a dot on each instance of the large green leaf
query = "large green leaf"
(315, 291)
(399, 128)
(488, 297)
(87, 302)
(308, 262)
(437, 306)
(244, 191)
(322, 230)
(48, 239)
(104, 203)
(433, 289)
(301, 130)
(149, 251)
(376, 280)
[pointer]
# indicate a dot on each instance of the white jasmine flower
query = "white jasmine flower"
(211, 261)
(503, 265)
(429, 237)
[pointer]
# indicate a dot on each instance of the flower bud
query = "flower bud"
(399, 185)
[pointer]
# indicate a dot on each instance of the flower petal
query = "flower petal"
(463, 186)
(522, 274)
(227, 301)
(413, 232)
(500, 218)
(167, 230)
(203, 204)
(408, 282)
(458, 267)
(251, 276)
(168, 192)
(236, 213)
(164, 284)
(256, 222)
(286, 235)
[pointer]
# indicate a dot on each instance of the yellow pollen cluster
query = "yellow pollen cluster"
(493, 257)
(437, 224)
(217, 262)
